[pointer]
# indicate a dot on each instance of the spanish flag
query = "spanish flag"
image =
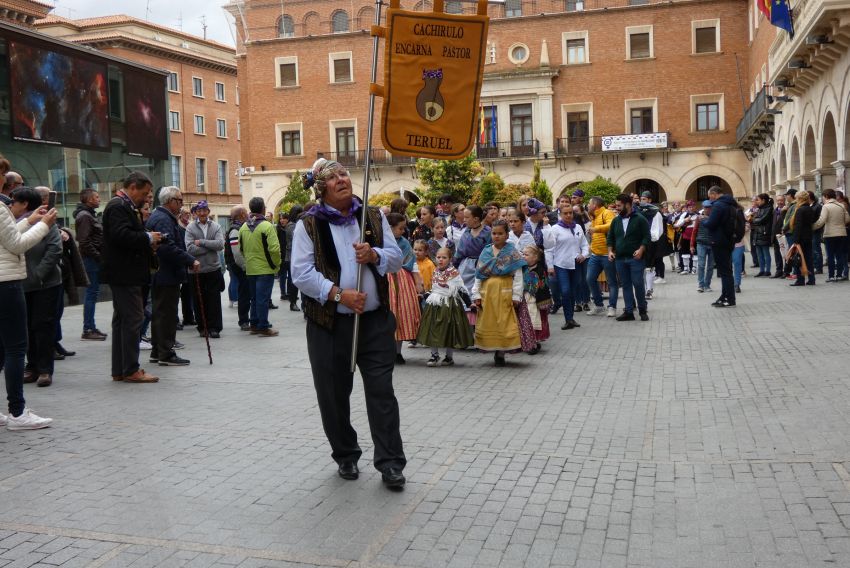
(779, 13)
(764, 8)
(482, 132)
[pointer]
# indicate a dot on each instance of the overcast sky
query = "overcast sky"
(165, 12)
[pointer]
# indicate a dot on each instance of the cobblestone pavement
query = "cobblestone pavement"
(704, 438)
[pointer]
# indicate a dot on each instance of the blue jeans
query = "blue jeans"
(261, 294)
(582, 293)
(555, 287)
(596, 264)
(630, 271)
(817, 250)
(13, 342)
(737, 264)
(233, 288)
(90, 301)
(763, 252)
(705, 266)
(836, 256)
(569, 281)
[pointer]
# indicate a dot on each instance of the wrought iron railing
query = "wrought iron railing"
(755, 111)
(505, 150)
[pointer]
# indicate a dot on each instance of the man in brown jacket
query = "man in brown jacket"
(90, 243)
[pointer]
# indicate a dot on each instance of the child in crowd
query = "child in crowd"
(518, 236)
(538, 297)
(439, 239)
(444, 322)
(405, 287)
(497, 292)
(424, 264)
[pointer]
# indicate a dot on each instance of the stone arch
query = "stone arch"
(771, 180)
(794, 164)
(569, 179)
(810, 151)
(641, 185)
(340, 22)
(783, 165)
(736, 183)
(698, 190)
(829, 141)
(285, 26)
(765, 176)
(312, 24)
(365, 18)
(646, 172)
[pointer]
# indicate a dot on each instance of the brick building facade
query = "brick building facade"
(559, 75)
(203, 98)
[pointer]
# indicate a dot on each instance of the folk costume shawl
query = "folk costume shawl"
(470, 246)
(536, 284)
(508, 261)
(408, 257)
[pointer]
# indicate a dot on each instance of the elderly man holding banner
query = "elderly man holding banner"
(326, 256)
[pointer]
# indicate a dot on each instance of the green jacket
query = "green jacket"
(259, 245)
(637, 234)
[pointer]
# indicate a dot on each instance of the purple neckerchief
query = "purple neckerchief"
(570, 226)
(334, 217)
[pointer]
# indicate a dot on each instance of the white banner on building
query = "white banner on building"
(651, 141)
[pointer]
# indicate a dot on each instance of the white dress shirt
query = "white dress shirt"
(523, 240)
(568, 245)
(314, 284)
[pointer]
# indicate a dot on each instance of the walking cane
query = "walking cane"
(203, 315)
(366, 175)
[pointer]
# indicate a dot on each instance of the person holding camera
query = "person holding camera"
(165, 288)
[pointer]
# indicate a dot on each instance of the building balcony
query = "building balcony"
(514, 149)
(757, 123)
(822, 35)
(357, 158)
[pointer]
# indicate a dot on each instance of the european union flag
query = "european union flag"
(781, 16)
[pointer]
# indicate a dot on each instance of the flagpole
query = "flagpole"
(366, 175)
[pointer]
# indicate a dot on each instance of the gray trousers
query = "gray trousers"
(127, 318)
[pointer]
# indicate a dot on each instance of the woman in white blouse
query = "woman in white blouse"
(570, 249)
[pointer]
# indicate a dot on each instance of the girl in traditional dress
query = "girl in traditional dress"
(497, 292)
(444, 323)
(424, 264)
(537, 294)
(405, 287)
(472, 242)
(440, 240)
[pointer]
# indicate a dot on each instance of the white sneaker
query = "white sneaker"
(3, 420)
(612, 312)
(27, 421)
(595, 311)
(145, 345)
(660, 281)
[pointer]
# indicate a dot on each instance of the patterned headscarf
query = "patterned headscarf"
(319, 173)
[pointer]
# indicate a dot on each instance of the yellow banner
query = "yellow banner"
(433, 72)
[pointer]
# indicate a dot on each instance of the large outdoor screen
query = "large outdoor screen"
(58, 98)
(145, 113)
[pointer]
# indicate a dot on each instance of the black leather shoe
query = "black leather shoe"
(626, 316)
(393, 478)
(644, 316)
(215, 335)
(62, 351)
(349, 471)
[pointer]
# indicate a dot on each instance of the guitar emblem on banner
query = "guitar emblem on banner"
(430, 103)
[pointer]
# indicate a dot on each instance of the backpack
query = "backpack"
(736, 224)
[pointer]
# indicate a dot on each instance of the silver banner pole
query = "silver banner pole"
(369, 131)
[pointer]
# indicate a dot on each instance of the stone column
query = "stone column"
(805, 181)
(841, 169)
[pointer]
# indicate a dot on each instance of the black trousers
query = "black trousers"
(164, 301)
(128, 314)
(211, 297)
(187, 300)
(243, 303)
(330, 358)
(777, 258)
(808, 257)
(41, 324)
(723, 261)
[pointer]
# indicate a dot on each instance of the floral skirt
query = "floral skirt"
(404, 304)
(527, 337)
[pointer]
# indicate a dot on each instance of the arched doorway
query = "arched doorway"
(795, 158)
(698, 190)
(810, 155)
(783, 166)
(771, 173)
(650, 185)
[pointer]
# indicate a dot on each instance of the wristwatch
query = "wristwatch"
(338, 295)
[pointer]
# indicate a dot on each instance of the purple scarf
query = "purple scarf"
(570, 226)
(334, 217)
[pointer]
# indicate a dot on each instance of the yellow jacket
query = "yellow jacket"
(601, 223)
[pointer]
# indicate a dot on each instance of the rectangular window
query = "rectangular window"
(513, 8)
(174, 120)
(291, 142)
(638, 2)
(641, 122)
(219, 92)
(115, 101)
(488, 139)
(222, 176)
(639, 46)
(342, 70)
(201, 174)
(578, 132)
(346, 146)
(576, 51)
(705, 40)
(200, 127)
(176, 170)
(522, 134)
(574, 5)
(708, 116)
(173, 82)
(288, 75)
(221, 128)
(197, 87)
